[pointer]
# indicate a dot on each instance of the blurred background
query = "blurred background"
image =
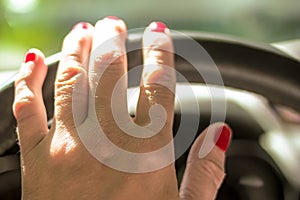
(43, 24)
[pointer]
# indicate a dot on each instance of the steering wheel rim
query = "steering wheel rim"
(265, 70)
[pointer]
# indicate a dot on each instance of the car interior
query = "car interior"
(262, 94)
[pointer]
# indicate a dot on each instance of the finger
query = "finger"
(71, 80)
(158, 76)
(29, 109)
(109, 66)
(205, 165)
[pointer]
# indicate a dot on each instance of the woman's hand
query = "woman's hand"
(56, 164)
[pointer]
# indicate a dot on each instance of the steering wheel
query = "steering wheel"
(254, 169)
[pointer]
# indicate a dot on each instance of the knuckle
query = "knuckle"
(155, 52)
(213, 170)
(64, 105)
(160, 53)
(73, 57)
(188, 194)
(157, 72)
(24, 97)
(23, 76)
(22, 101)
(64, 115)
(63, 100)
(22, 111)
(83, 39)
(64, 95)
(66, 84)
(111, 59)
(69, 75)
(158, 94)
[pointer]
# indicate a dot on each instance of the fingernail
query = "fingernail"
(158, 27)
(223, 139)
(81, 25)
(112, 17)
(30, 57)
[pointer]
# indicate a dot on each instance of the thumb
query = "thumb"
(205, 165)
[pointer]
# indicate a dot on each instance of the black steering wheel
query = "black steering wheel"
(252, 171)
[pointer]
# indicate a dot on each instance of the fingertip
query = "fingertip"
(223, 137)
(110, 34)
(30, 57)
(158, 27)
(108, 28)
(205, 164)
(82, 26)
(159, 34)
(109, 45)
(157, 42)
(37, 53)
(33, 69)
(112, 17)
(83, 30)
(112, 21)
(34, 57)
(216, 136)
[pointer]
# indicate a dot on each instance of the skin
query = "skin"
(55, 163)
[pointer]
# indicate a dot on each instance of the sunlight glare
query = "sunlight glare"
(21, 6)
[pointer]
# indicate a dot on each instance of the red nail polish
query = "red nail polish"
(224, 138)
(159, 27)
(112, 17)
(82, 25)
(30, 57)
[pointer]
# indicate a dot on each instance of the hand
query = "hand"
(56, 164)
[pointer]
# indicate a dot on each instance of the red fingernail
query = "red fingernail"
(82, 25)
(158, 27)
(224, 138)
(30, 57)
(112, 17)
